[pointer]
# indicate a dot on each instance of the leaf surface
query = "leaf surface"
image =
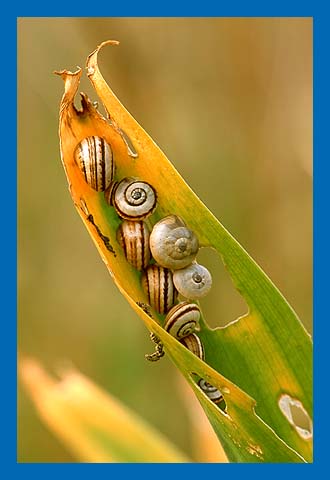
(255, 360)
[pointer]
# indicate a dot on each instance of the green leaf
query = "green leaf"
(255, 361)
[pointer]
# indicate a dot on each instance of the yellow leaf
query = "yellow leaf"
(94, 425)
(245, 435)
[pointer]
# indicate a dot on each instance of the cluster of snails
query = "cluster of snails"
(170, 244)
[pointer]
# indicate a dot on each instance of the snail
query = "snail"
(93, 155)
(194, 344)
(182, 319)
(212, 392)
(193, 282)
(191, 341)
(172, 244)
(157, 283)
(133, 199)
(134, 239)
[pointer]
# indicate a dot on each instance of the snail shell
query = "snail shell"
(193, 282)
(182, 319)
(133, 199)
(172, 244)
(134, 239)
(93, 155)
(194, 344)
(212, 392)
(157, 283)
(108, 193)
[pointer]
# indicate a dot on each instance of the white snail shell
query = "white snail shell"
(193, 282)
(212, 392)
(133, 199)
(172, 244)
(182, 319)
(134, 239)
(93, 155)
(157, 283)
(194, 344)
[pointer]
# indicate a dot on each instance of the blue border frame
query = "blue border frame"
(321, 172)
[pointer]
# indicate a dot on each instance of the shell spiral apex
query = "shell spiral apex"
(172, 244)
(133, 199)
(182, 319)
(193, 282)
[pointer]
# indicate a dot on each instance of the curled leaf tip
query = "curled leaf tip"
(71, 82)
(107, 42)
(89, 65)
(66, 73)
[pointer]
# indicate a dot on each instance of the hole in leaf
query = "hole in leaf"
(295, 413)
(223, 303)
(212, 392)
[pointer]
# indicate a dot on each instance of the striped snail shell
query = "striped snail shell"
(212, 392)
(193, 282)
(172, 244)
(108, 193)
(157, 283)
(134, 239)
(194, 344)
(133, 199)
(93, 155)
(182, 319)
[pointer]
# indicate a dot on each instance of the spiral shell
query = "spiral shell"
(133, 199)
(134, 239)
(194, 344)
(108, 193)
(193, 282)
(172, 244)
(212, 392)
(157, 283)
(182, 319)
(93, 155)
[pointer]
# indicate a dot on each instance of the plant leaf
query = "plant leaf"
(94, 425)
(205, 443)
(255, 360)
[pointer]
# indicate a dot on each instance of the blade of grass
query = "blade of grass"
(94, 425)
(266, 353)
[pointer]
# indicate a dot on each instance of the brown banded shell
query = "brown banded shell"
(134, 239)
(93, 155)
(182, 319)
(212, 392)
(133, 199)
(193, 282)
(109, 192)
(157, 282)
(172, 244)
(194, 344)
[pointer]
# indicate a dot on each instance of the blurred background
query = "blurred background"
(229, 101)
